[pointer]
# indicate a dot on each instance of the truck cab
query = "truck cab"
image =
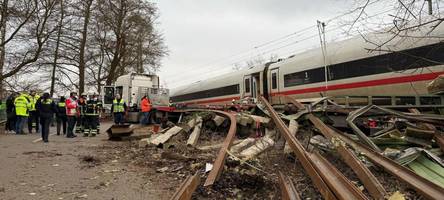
(132, 87)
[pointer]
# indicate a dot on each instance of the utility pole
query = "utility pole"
(321, 29)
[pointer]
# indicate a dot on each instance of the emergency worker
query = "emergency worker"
(22, 106)
(145, 106)
(10, 113)
(33, 120)
(91, 117)
(46, 109)
(100, 105)
(81, 103)
(71, 113)
(61, 117)
(119, 108)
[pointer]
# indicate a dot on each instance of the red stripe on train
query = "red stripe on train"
(387, 81)
(213, 100)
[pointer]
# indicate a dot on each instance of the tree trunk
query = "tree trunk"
(83, 40)
(56, 52)
(4, 16)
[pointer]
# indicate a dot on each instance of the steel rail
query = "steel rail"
(219, 163)
(187, 187)
(288, 190)
(327, 179)
(370, 182)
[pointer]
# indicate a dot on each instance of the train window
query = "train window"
(247, 85)
(395, 61)
(222, 91)
(405, 100)
(305, 77)
(273, 80)
(382, 100)
(430, 100)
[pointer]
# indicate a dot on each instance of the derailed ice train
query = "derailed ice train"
(399, 71)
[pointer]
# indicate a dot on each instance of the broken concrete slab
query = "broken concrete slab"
(167, 135)
(194, 137)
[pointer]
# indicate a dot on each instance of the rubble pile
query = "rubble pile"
(363, 148)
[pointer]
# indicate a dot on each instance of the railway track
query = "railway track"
(328, 180)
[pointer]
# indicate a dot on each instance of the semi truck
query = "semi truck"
(132, 87)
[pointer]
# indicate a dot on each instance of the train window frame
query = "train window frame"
(274, 80)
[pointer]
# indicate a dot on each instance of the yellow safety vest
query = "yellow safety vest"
(33, 100)
(61, 104)
(118, 106)
(48, 101)
(22, 106)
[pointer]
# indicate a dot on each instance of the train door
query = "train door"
(274, 86)
(247, 86)
(255, 92)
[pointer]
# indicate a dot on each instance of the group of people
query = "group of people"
(38, 112)
(119, 109)
(74, 115)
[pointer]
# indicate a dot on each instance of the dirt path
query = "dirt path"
(76, 168)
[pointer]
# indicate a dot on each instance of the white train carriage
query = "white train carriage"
(402, 68)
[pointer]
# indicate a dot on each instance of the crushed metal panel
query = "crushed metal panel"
(420, 184)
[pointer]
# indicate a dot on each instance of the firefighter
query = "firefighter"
(100, 105)
(91, 116)
(71, 112)
(81, 107)
(119, 108)
(33, 120)
(22, 106)
(46, 108)
(61, 117)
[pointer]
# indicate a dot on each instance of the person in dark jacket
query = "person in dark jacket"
(46, 107)
(10, 113)
(61, 115)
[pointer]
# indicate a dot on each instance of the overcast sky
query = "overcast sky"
(206, 37)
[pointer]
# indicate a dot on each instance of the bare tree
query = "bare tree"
(404, 19)
(27, 26)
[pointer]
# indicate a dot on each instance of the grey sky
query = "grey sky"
(203, 35)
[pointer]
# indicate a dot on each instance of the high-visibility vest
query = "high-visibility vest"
(118, 106)
(22, 106)
(61, 104)
(47, 101)
(33, 100)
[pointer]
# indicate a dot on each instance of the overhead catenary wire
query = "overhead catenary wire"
(267, 47)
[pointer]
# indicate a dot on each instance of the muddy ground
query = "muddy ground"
(96, 168)
(79, 168)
